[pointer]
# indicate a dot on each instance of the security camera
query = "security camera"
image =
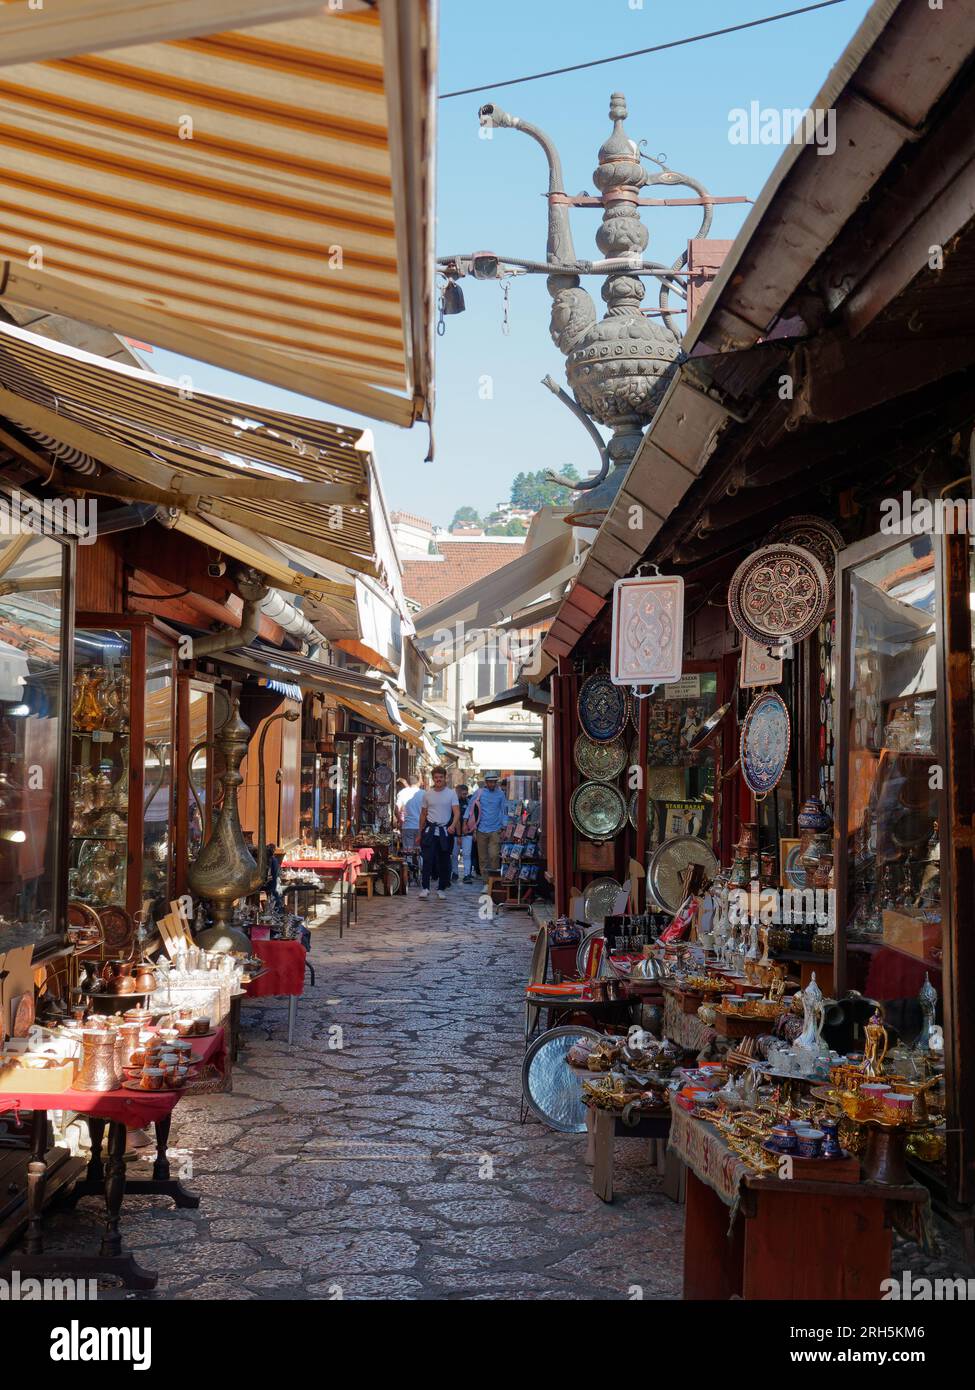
(217, 569)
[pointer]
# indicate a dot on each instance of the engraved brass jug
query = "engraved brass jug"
(225, 869)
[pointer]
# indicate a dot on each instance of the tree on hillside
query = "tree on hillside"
(466, 516)
(514, 527)
(533, 490)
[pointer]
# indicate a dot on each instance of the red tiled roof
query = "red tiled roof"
(463, 563)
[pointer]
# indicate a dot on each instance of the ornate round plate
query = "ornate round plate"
(631, 813)
(600, 762)
(382, 777)
(598, 810)
(669, 863)
(779, 592)
(118, 928)
(584, 949)
(764, 744)
(816, 535)
(603, 707)
(598, 899)
(552, 1089)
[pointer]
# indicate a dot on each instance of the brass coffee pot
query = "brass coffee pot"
(225, 869)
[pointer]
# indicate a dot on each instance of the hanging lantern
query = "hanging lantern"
(648, 630)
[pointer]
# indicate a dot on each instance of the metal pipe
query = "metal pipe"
(559, 246)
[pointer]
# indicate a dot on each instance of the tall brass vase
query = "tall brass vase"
(225, 869)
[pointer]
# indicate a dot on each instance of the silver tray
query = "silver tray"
(602, 708)
(598, 899)
(668, 863)
(598, 810)
(552, 1089)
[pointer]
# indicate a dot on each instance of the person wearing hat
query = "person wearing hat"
(487, 814)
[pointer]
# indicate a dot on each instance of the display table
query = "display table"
(283, 974)
(603, 1128)
(121, 1110)
(342, 868)
(753, 1236)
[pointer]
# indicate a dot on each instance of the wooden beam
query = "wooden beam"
(260, 363)
(62, 30)
(12, 553)
(268, 488)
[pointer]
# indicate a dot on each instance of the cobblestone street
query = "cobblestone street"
(395, 1167)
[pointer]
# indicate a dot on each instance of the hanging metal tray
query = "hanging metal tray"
(815, 534)
(764, 744)
(598, 810)
(600, 762)
(631, 813)
(552, 1089)
(602, 707)
(778, 593)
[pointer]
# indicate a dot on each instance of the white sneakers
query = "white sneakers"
(440, 895)
(424, 893)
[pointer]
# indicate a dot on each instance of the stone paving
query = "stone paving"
(395, 1167)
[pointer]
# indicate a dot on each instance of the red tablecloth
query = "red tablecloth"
(349, 867)
(284, 963)
(133, 1108)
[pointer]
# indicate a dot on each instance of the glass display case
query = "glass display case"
(122, 763)
(903, 853)
(35, 632)
(680, 781)
(194, 771)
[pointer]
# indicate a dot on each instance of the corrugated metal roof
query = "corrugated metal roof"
(238, 196)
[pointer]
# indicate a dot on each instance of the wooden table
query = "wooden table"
(603, 1128)
(789, 1239)
(119, 1110)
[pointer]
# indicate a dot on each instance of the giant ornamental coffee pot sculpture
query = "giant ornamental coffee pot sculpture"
(225, 869)
(618, 366)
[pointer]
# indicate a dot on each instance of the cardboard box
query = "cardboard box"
(21, 1073)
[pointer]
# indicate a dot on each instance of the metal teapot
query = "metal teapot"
(225, 869)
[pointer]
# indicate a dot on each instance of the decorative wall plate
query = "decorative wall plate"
(599, 898)
(764, 744)
(552, 1089)
(793, 873)
(669, 863)
(647, 640)
(603, 708)
(778, 593)
(600, 762)
(816, 535)
(382, 777)
(598, 810)
(631, 813)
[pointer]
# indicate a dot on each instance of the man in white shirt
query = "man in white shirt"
(408, 801)
(439, 821)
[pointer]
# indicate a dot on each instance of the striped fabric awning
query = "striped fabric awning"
(302, 481)
(258, 198)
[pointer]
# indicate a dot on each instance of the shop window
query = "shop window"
(33, 706)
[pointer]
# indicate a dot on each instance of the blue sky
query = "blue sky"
(490, 199)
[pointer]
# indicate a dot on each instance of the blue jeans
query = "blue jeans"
(461, 854)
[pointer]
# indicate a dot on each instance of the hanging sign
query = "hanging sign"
(758, 667)
(648, 630)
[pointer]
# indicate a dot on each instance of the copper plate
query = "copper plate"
(816, 535)
(779, 592)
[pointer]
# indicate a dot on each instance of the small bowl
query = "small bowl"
(809, 1143)
(152, 1079)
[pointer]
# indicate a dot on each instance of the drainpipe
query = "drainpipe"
(253, 592)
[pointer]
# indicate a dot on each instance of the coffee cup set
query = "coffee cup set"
(159, 1064)
(805, 1140)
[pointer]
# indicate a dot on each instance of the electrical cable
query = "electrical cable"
(639, 52)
